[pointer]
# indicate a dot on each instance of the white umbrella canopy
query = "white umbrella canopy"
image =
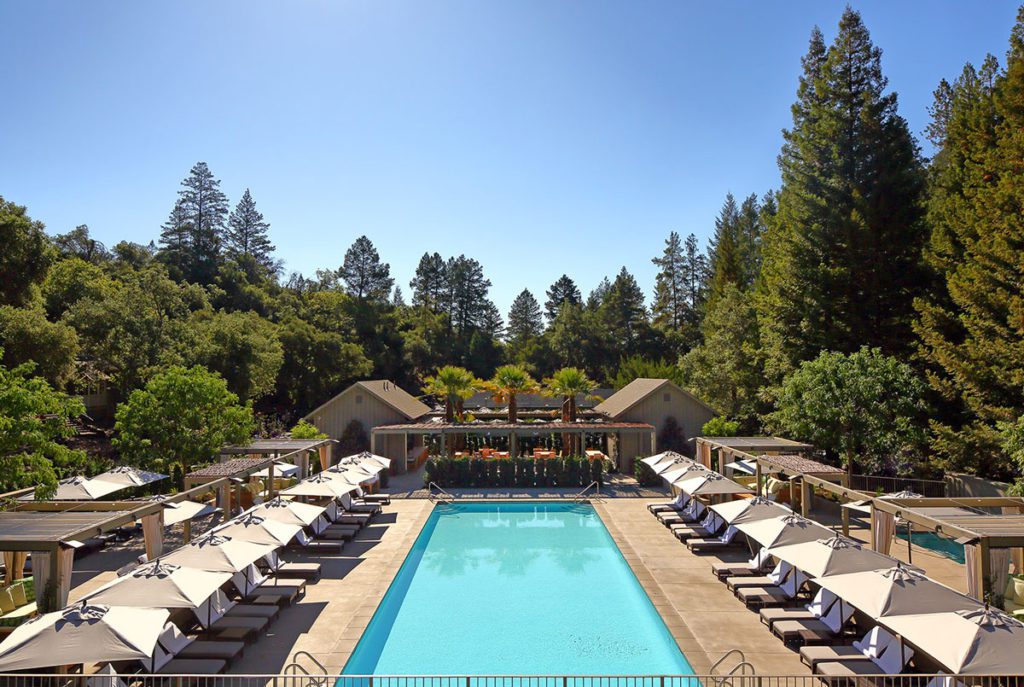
(750, 510)
(978, 642)
(367, 457)
(161, 585)
(281, 469)
(664, 461)
(323, 485)
(897, 590)
(181, 511)
(218, 553)
(83, 633)
(259, 529)
(708, 483)
(681, 471)
(283, 510)
(130, 476)
(362, 471)
(788, 529)
(81, 489)
(837, 555)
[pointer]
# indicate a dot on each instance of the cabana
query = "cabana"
(299, 449)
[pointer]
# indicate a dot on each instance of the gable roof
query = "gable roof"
(484, 399)
(639, 389)
(386, 392)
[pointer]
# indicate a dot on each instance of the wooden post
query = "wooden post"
(304, 464)
(513, 445)
(805, 498)
(984, 568)
(187, 536)
(270, 481)
(846, 520)
(871, 534)
(757, 477)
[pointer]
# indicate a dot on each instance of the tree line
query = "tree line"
(871, 304)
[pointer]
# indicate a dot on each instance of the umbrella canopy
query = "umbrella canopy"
(367, 457)
(259, 529)
(181, 511)
(979, 642)
(836, 555)
(680, 471)
(161, 585)
(666, 460)
(81, 489)
(217, 553)
(747, 467)
(282, 510)
(750, 510)
(709, 483)
(128, 476)
(281, 469)
(897, 590)
(83, 633)
(323, 485)
(788, 529)
(361, 470)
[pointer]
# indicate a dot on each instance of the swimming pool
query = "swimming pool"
(937, 543)
(516, 589)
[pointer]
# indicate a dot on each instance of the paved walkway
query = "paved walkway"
(700, 612)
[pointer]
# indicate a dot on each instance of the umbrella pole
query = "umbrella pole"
(910, 540)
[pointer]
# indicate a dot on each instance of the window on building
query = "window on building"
(359, 399)
(667, 397)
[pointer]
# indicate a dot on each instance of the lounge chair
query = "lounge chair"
(705, 544)
(773, 595)
(891, 661)
(710, 526)
(303, 542)
(193, 666)
(338, 533)
(870, 647)
(693, 512)
(382, 499)
(775, 577)
(815, 630)
(756, 565)
(307, 571)
(173, 654)
(676, 504)
(208, 648)
(817, 607)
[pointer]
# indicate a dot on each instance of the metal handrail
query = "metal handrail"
(581, 496)
(294, 668)
(721, 659)
(442, 496)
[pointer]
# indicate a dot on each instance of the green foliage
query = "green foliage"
(26, 255)
(34, 419)
(864, 408)
(644, 475)
(679, 290)
(306, 430)
(453, 385)
(71, 280)
(842, 255)
(637, 366)
(510, 381)
(672, 437)
(563, 291)
(522, 472)
(316, 364)
(26, 335)
(719, 426)
(241, 347)
(192, 236)
(246, 239)
(183, 416)
(353, 439)
(524, 319)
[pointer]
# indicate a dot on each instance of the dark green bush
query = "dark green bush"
(597, 472)
(645, 475)
(524, 472)
(506, 472)
(553, 472)
(491, 478)
(477, 472)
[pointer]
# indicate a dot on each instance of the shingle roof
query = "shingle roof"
(533, 401)
(387, 392)
(230, 467)
(636, 391)
(793, 464)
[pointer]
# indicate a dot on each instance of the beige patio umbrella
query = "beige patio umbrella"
(259, 529)
(967, 642)
(750, 510)
(897, 590)
(666, 460)
(709, 483)
(362, 470)
(680, 471)
(129, 476)
(367, 457)
(83, 633)
(161, 585)
(217, 553)
(788, 529)
(323, 485)
(181, 511)
(81, 489)
(283, 510)
(837, 555)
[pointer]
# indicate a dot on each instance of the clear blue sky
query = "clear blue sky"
(537, 136)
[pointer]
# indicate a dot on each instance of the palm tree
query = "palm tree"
(454, 385)
(569, 383)
(508, 382)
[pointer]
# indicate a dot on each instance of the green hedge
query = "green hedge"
(523, 473)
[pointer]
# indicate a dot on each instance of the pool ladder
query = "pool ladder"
(314, 677)
(582, 496)
(441, 496)
(742, 668)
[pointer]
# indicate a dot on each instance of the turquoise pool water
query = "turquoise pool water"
(937, 543)
(516, 589)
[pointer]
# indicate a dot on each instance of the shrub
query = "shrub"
(645, 475)
(596, 472)
(354, 439)
(524, 472)
(462, 474)
(506, 472)
(720, 427)
(491, 478)
(672, 437)
(477, 472)
(304, 430)
(553, 472)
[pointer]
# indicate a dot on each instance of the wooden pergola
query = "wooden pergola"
(513, 431)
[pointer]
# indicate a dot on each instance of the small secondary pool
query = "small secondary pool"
(516, 589)
(937, 543)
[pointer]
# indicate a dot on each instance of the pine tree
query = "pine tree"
(670, 306)
(430, 285)
(366, 278)
(397, 299)
(524, 319)
(624, 314)
(695, 278)
(467, 294)
(491, 320)
(246, 237)
(175, 241)
(563, 291)
(970, 325)
(725, 253)
(597, 296)
(841, 262)
(196, 226)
